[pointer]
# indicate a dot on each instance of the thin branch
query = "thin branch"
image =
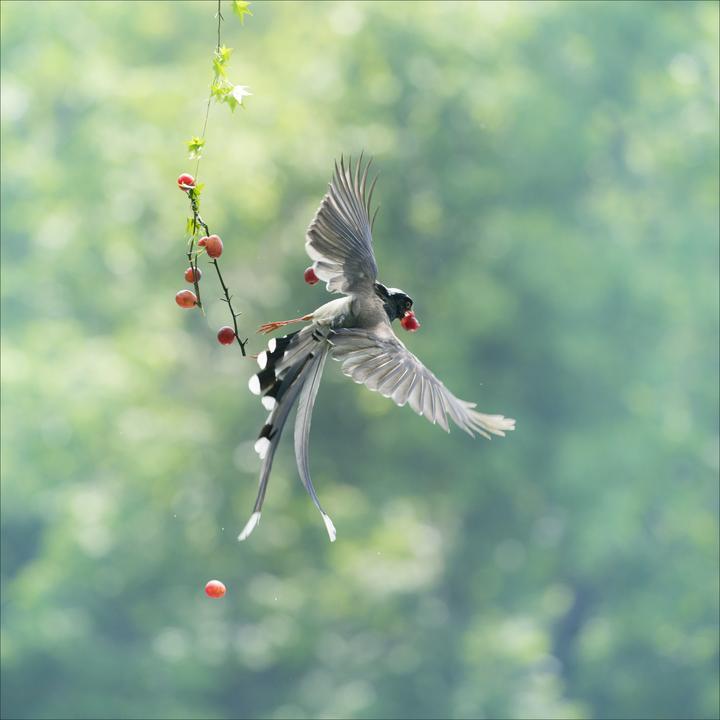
(192, 257)
(228, 300)
(209, 100)
(199, 222)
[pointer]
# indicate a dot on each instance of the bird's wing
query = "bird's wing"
(383, 364)
(339, 239)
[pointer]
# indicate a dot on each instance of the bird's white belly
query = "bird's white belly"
(333, 313)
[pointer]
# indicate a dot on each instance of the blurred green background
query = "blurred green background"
(549, 197)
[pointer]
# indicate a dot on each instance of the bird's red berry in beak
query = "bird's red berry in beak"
(410, 322)
(310, 277)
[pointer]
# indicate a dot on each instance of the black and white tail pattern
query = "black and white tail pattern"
(288, 365)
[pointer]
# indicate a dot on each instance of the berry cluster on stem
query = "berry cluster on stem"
(212, 245)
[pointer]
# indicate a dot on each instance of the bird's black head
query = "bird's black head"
(396, 302)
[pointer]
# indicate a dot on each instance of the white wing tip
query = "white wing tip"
(329, 527)
(495, 424)
(268, 402)
(251, 524)
(272, 345)
(503, 423)
(254, 385)
(262, 360)
(261, 447)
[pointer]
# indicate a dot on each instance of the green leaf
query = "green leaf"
(230, 100)
(241, 8)
(221, 58)
(195, 146)
(190, 227)
(219, 68)
(194, 193)
(220, 88)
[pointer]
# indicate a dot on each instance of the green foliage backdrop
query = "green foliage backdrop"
(549, 195)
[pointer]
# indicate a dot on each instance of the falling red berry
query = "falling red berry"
(410, 322)
(214, 589)
(193, 274)
(214, 246)
(186, 299)
(185, 182)
(310, 277)
(226, 335)
(202, 241)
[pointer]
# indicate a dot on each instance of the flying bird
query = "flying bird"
(355, 329)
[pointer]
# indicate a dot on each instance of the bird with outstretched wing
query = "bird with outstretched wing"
(356, 330)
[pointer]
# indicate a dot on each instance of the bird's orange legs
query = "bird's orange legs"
(272, 326)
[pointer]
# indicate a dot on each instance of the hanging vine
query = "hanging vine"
(199, 239)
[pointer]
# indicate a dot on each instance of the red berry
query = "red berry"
(186, 299)
(214, 589)
(214, 246)
(410, 322)
(192, 274)
(185, 182)
(310, 277)
(226, 335)
(202, 241)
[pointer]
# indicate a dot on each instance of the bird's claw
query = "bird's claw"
(267, 328)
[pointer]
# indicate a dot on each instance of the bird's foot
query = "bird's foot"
(272, 326)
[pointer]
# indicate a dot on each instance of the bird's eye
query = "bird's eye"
(408, 304)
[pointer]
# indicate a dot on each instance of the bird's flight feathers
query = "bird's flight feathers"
(384, 364)
(339, 239)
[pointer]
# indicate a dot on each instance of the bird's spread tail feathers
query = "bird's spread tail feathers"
(302, 433)
(291, 367)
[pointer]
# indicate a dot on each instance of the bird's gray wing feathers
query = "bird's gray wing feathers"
(339, 239)
(385, 365)
(302, 432)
